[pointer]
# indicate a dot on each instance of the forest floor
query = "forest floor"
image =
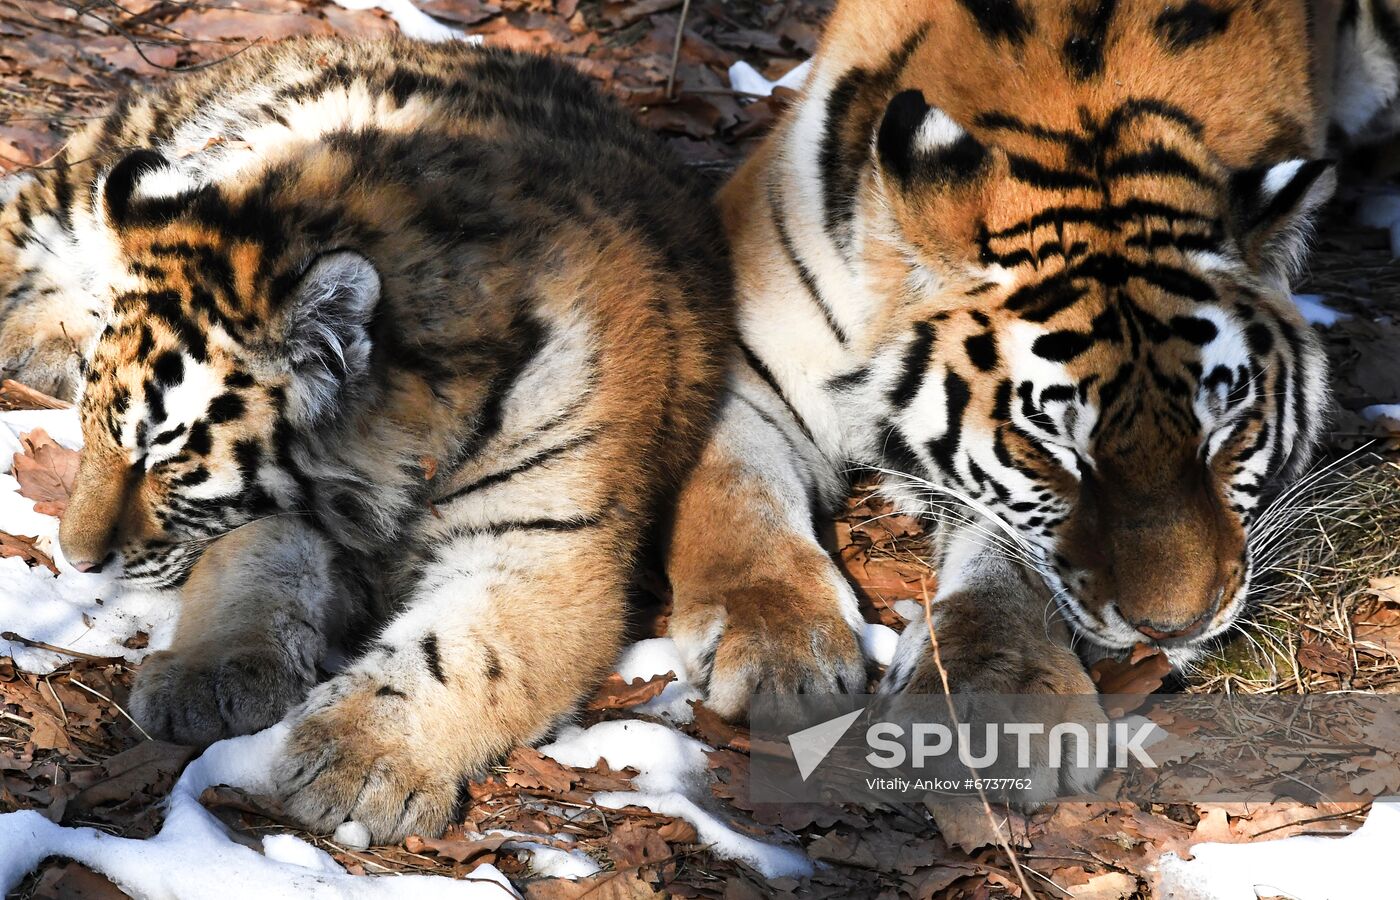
(1330, 620)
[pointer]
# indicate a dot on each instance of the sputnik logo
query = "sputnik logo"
(811, 745)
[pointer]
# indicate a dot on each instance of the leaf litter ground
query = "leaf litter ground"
(1330, 617)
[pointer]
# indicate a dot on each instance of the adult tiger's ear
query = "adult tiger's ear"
(918, 143)
(1272, 208)
(324, 332)
(145, 185)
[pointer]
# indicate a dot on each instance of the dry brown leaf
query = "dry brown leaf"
(1141, 674)
(459, 849)
(22, 547)
(1213, 827)
(150, 767)
(716, 731)
(1109, 886)
(49, 731)
(1324, 658)
(618, 694)
(72, 881)
(632, 845)
(530, 769)
(964, 823)
(621, 885)
(45, 471)
(14, 395)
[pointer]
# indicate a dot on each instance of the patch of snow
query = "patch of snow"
(1361, 864)
(909, 610)
(878, 642)
(551, 862)
(1387, 411)
(665, 759)
(352, 835)
(1318, 312)
(657, 656)
(672, 768)
(770, 860)
(744, 79)
(289, 848)
(82, 612)
(192, 856)
(412, 21)
(1380, 208)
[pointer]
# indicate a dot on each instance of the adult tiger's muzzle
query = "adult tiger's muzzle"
(1162, 555)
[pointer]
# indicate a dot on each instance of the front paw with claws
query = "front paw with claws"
(362, 750)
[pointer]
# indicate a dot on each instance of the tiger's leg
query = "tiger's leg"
(255, 617)
(759, 605)
(506, 630)
(999, 632)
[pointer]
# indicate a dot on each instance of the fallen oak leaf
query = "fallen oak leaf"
(16, 396)
(632, 844)
(618, 694)
(1141, 674)
(1324, 658)
(716, 731)
(21, 547)
(531, 769)
(459, 849)
(45, 471)
(150, 767)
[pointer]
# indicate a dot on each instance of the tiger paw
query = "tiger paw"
(197, 698)
(757, 642)
(358, 752)
(42, 345)
(1002, 670)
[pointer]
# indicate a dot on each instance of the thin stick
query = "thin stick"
(952, 713)
(40, 645)
(114, 703)
(676, 52)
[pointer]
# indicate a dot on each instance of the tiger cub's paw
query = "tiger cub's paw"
(42, 346)
(197, 698)
(363, 750)
(761, 640)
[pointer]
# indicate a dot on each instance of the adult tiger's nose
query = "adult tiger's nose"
(1163, 631)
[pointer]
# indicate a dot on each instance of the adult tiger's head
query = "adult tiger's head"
(1076, 222)
(219, 346)
(1124, 377)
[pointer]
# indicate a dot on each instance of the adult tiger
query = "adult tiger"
(1033, 260)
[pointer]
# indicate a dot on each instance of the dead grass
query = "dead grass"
(1340, 536)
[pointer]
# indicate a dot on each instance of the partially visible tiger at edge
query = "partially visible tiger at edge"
(1030, 260)
(387, 341)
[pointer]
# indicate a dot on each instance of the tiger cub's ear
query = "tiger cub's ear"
(1271, 210)
(145, 185)
(323, 332)
(920, 144)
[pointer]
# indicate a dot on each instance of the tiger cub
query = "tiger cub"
(412, 337)
(1031, 260)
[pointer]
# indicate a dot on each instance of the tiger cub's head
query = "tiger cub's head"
(1120, 373)
(223, 341)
